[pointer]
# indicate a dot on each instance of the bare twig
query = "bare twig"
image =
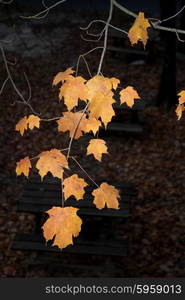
(84, 171)
(24, 101)
(82, 56)
(175, 15)
(105, 37)
(3, 85)
(75, 130)
(154, 24)
(43, 13)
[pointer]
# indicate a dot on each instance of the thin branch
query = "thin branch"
(24, 101)
(105, 37)
(101, 33)
(122, 8)
(43, 13)
(53, 119)
(84, 54)
(75, 130)
(164, 20)
(154, 24)
(179, 39)
(3, 85)
(84, 171)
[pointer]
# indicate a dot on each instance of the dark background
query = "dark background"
(152, 160)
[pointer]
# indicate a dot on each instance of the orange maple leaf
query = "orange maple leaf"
(52, 161)
(72, 90)
(63, 224)
(25, 123)
(74, 186)
(92, 124)
(22, 125)
(181, 97)
(72, 122)
(97, 147)
(106, 195)
(114, 82)
(101, 107)
(62, 76)
(179, 110)
(138, 31)
(23, 166)
(33, 121)
(128, 95)
(101, 84)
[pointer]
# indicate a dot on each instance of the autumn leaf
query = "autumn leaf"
(72, 90)
(182, 97)
(22, 125)
(179, 110)
(74, 186)
(97, 147)
(72, 121)
(62, 76)
(106, 195)
(138, 31)
(101, 84)
(23, 166)
(52, 161)
(114, 82)
(33, 121)
(92, 124)
(128, 95)
(101, 107)
(63, 224)
(25, 123)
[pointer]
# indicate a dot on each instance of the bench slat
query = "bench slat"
(36, 243)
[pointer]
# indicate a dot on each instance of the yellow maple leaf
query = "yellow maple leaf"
(33, 121)
(106, 195)
(101, 84)
(114, 82)
(92, 124)
(63, 76)
(72, 90)
(74, 186)
(101, 107)
(52, 161)
(72, 122)
(128, 95)
(97, 147)
(138, 31)
(179, 110)
(181, 97)
(23, 166)
(63, 224)
(22, 125)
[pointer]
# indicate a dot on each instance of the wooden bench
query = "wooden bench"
(97, 234)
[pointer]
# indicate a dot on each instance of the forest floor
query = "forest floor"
(153, 160)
